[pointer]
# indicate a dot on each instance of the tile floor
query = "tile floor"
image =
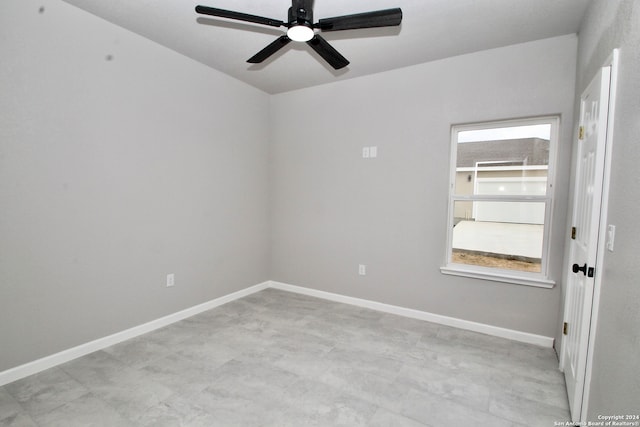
(276, 358)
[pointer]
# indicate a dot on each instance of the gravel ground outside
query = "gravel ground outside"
(485, 260)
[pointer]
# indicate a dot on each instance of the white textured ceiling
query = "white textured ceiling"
(430, 30)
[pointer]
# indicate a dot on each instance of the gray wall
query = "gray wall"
(615, 387)
(332, 210)
(115, 173)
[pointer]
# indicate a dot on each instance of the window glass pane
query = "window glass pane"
(506, 235)
(503, 161)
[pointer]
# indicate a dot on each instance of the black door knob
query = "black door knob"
(576, 268)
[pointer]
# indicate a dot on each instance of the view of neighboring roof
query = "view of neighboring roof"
(525, 151)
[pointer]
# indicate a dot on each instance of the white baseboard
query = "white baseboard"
(511, 334)
(64, 356)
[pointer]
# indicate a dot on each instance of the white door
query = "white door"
(594, 108)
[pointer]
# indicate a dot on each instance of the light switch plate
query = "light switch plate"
(362, 270)
(611, 236)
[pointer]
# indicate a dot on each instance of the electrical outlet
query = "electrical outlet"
(171, 280)
(369, 152)
(362, 270)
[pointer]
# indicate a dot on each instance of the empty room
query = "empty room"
(319, 213)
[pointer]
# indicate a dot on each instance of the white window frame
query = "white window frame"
(540, 279)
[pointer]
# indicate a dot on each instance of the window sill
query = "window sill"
(497, 276)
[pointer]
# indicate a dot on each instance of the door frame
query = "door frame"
(612, 61)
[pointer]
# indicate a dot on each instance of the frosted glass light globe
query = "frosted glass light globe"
(300, 33)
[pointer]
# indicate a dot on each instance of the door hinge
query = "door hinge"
(565, 328)
(573, 233)
(581, 132)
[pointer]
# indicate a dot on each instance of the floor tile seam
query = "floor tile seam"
(452, 342)
(516, 372)
(453, 373)
(139, 414)
(396, 375)
(533, 402)
(5, 417)
(489, 370)
(199, 320)
(478, 339)
(367, 372)
(474, 336)
(408, 417)
(526, 376)
(183, 360)
(454, 399)
(480, 361)
(313, 338)
(347, 351)
(525, 347)
(539, 403)
(391, 379)
(188, 396)
(137, 365)
(474, 346)
(15, 399)
(177, 338)
(178, 394)
(338, 391)
(83, 382)
(459, 402)
(22, 410)
(323, 355)
(179, 342)
(70, 374)
(507, 419)
(36, 423)
(26, 414)
(391, 384)
(445, 353)
(34, 415)
(514, 421)
(196, 362)
(98, 395)
(267, 401)
(375, 407)
(273, 367)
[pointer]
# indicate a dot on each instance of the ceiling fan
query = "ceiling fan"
(300, 28)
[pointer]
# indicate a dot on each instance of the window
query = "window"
(500, 200)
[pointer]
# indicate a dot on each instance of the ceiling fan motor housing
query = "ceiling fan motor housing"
(301, 13)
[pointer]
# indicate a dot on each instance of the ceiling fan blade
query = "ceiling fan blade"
(378, 18)
(205, 10)
(327, 52)
(272, 48)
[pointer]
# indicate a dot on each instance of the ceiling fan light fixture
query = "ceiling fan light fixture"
(301, 28)
(300, 33)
